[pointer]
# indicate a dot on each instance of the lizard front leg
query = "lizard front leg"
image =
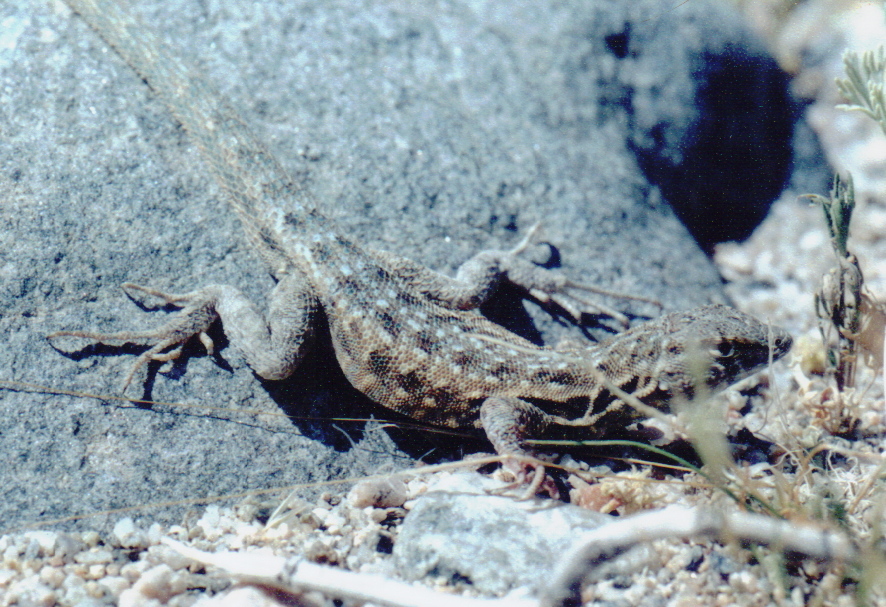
(272, 344)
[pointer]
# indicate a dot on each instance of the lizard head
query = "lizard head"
(714, 346)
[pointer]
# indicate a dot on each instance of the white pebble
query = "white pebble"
(53, 577)
(95, 572)
(320, 514)
(46, 540)
(73, 589)
(133, 571)
(160, 583)
(6, 575)
(94, 589)
(334, 523)
(95, 556)
(155, 532)
(127, 535)
(176, 532)
(380, 493)
(165, 554)
(211, 517)
(115, 585)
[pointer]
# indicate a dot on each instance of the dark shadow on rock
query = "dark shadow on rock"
(736, 157)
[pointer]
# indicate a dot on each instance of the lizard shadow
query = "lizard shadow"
(506, 308)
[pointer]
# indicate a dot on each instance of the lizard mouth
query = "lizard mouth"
(736, 361)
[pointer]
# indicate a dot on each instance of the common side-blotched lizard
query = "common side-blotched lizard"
(404, 335)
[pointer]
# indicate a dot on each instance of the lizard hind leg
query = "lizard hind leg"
(272, 347)
(195, 317)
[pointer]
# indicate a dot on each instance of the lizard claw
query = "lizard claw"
(549, 286)
(533, 476)
(531, 233)
(197, 313)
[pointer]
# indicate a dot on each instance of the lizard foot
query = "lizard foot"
(550, 287)
(196, 315)
(533, 477)
(507, 422)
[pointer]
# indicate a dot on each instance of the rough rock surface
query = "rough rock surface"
(435, 131)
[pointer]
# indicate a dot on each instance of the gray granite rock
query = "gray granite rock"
(432, 129)
(494, 544)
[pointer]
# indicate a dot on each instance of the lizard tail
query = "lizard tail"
(255, 182)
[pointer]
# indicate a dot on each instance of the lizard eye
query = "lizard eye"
(725, 349)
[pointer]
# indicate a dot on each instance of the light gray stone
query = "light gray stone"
(492, 543)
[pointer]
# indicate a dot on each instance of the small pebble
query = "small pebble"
(379, 493)
(90, 538)
(94, 557)
(53, 577)
(115, 585)
(127, 535)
